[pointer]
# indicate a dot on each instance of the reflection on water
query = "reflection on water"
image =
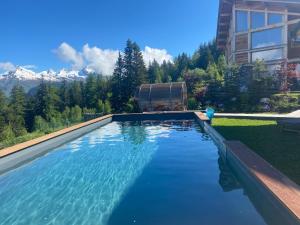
(145, 173)
(81, 182)
(227, 179)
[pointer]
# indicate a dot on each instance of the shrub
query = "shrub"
(192, 104)
(76, 114)
(100, 107)
(107, 107)
(40, 124)
(89, 111)
(7, 133)
(285, 102)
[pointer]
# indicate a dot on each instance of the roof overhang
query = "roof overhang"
(225, 14)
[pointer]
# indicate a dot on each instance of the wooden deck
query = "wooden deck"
(282, 187)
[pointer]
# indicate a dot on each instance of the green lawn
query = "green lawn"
(281, 149)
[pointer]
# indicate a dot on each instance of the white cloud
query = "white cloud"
(103, 60)
(7, 66)
(160, 55)
(68, 54)
(100, 60)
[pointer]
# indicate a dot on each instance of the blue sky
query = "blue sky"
(33, 30)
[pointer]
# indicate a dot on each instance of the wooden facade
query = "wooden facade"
(243, 25)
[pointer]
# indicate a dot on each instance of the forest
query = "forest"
(210, 82)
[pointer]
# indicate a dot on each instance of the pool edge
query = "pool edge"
(17, 155)
(246, 168)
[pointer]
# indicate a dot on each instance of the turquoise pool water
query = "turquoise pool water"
(128, 173)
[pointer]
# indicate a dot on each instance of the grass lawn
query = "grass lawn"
(281, 149)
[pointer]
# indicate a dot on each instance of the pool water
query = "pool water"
(146, 173)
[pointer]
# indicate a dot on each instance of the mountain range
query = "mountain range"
(30, 79)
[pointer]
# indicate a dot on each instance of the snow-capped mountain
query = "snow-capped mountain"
(30, 79)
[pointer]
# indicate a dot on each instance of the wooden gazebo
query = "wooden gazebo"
(162, 97)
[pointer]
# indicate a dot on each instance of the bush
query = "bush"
(76, 114)
(89, 111)
(7, 133)
(193, 104)
(131, 106)
(107, 107)
(100, 107)
(40, 124)
(285, 102)
(54, 123)
(66, 115)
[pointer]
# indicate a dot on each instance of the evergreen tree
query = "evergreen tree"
(134, 69)
(3, 108)
(47, 101)
(75, 93)
(90, 91)
(17, 100)
(154, 73)
(64, 95)
(17, 110)
(167, 68)
(182, 63)
(117, 86)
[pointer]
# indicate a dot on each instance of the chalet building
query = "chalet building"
(269, 30)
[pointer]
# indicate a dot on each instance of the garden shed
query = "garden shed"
(162, 97)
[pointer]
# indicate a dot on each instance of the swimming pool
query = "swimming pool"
(123, 173)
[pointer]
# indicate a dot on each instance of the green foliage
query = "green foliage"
(154, 73)
(7, 133)
(40, 124)
(129, 73)
(89, 111)
(285, 102)
(107, 107)
(90, 91)
(132, 106)
(100, 107)
(193, 104)
(76, 114)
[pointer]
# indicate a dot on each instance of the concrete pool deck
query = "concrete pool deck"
(283, 191)
(259, 116)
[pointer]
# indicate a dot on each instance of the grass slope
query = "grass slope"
(281, 149)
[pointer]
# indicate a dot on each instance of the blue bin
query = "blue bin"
(210, 112)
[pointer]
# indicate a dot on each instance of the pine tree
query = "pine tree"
(118, 97)
(140, 71)
(17, 110)
(154, 73)
(47, 101)
(90, 91)
(64, 95)
(134, 69)
(75, 93)
(182, 63)
(3, 108)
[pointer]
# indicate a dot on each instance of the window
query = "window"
(274, 18)
(266, 38)
(241, 21)
(268, 55)
(257, 20)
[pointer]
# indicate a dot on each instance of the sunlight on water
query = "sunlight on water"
(81, 182)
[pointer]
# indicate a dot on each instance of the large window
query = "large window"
(274, 18)
(257, 20)
(267, 38)
(241, 21)
(268, 55)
